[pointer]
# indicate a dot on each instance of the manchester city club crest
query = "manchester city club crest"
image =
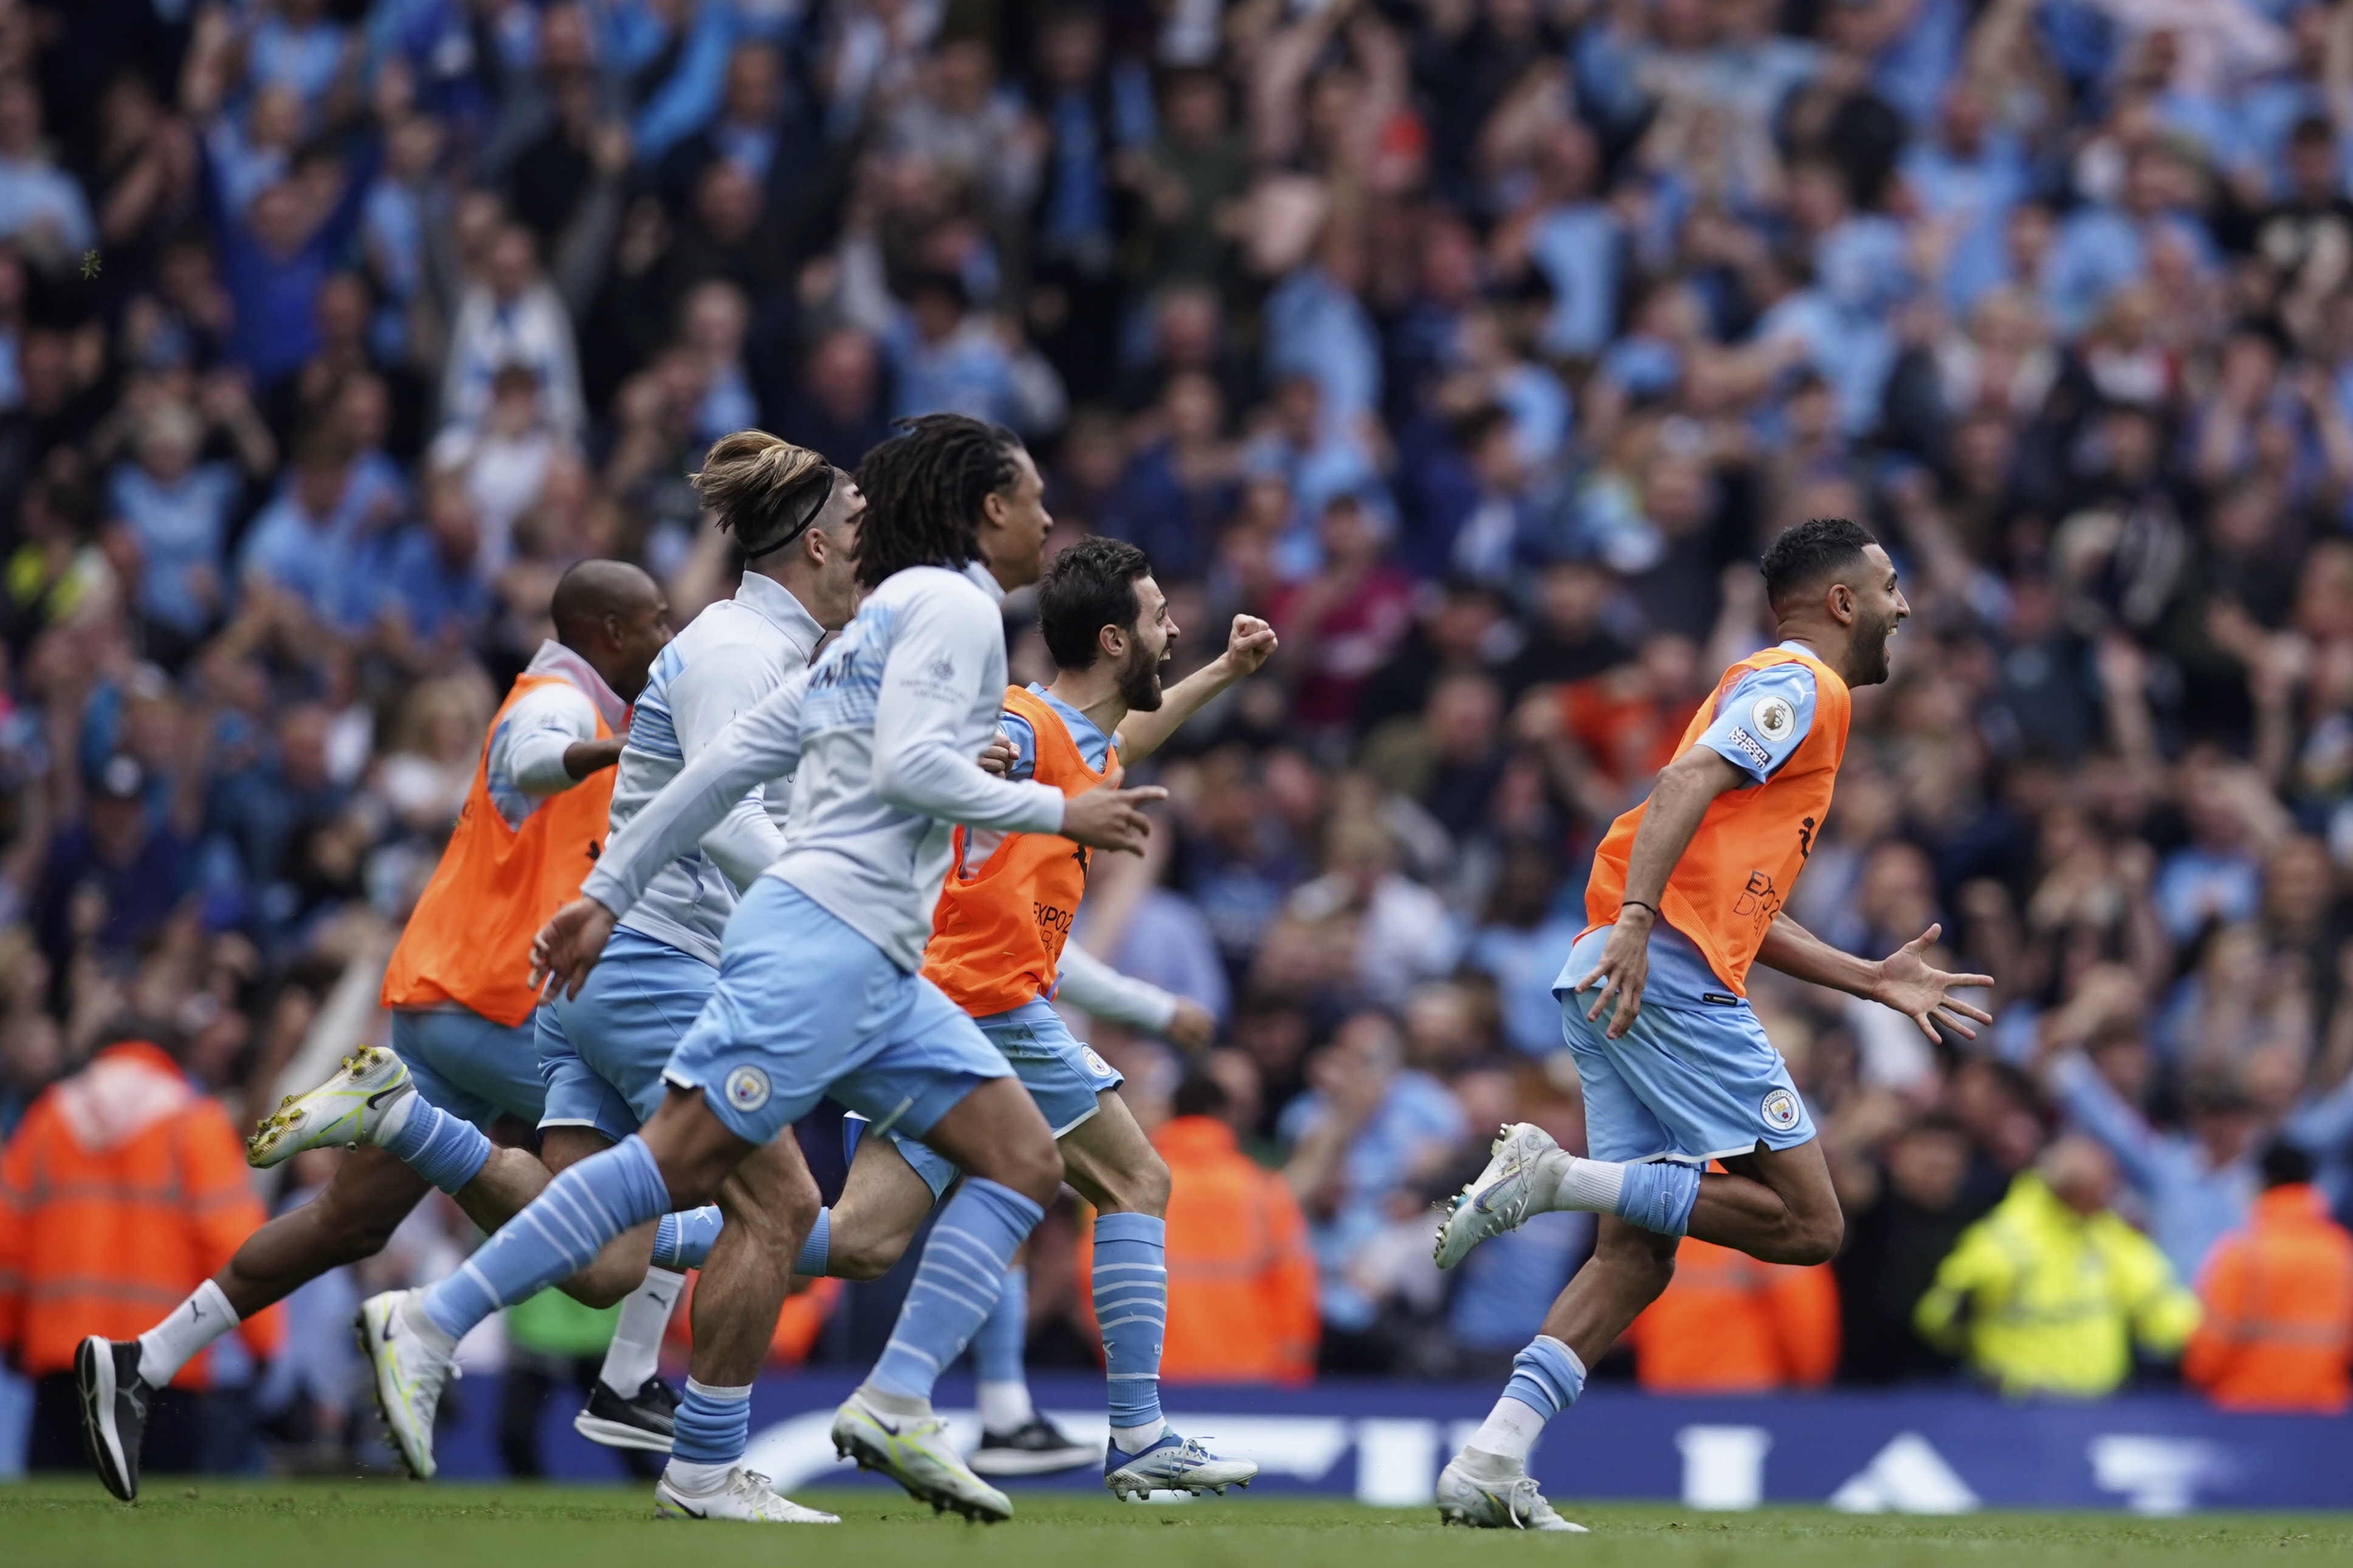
(746, 1089)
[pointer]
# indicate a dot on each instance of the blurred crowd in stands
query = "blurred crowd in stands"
(1480, 345)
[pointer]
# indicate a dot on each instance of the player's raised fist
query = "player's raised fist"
(1251, 644)
(1108, 818)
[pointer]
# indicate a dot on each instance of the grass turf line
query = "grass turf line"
(386, 1523)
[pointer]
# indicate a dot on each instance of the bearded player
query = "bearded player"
(1686, 893)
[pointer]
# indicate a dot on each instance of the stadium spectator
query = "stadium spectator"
(125, 1185)
(2277, 1333)
(2052, 1293)
(1904, 1210)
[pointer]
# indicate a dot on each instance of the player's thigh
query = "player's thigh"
(1800, 1177)
(1112, 1165)
(934, 1064)
(995, 1132)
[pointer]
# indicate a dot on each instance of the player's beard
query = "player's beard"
(1139, 684)
(1870, 649)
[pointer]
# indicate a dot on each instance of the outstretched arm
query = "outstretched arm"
(1247, 647)
(1903, 980)
(763, 743)
(1686, 788)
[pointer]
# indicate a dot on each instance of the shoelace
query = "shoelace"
(1188, 1451)
(1524, 1501)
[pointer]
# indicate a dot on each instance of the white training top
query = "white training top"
(730, 656)
(525, 764)
(882, 738)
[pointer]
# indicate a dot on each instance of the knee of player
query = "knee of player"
(600, 1287)
(1143, 1190)
(351, 1233)
(864, 1258)
(1033, 1167)
(1816, 1238)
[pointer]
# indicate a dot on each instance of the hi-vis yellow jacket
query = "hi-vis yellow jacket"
(2044, 1301)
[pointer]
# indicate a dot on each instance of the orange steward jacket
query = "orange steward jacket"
(1729, 1324)
(1242, 1277)
(2278, 1329)
(124, 1189)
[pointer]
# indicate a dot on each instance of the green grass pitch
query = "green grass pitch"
(384, 1524)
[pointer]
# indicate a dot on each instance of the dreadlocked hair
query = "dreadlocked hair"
(924, 487)
(763, 488)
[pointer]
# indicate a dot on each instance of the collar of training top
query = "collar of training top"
(775, 603)
(977, 573)
(554, 658)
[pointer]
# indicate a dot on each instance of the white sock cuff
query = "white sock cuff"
(693, 1479)
(718, 1394)
(191, 1326)
(1592, 1186)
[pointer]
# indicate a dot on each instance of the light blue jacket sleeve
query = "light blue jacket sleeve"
(1764, 718)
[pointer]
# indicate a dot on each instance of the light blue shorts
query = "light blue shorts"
(1062, 1076)
(469, 1066)
(806, 1007)
(602, 1052)
(1691, 1082)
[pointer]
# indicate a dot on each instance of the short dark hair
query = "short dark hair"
(1817, 548)
(2284, 1165)
(1090, 585)
(1200, 1095)
(924, 487)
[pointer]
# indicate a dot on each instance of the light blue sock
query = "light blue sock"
(959, 1279)
(1004, 1334)
(554, 1235)
(809, 1262)
(713, 1423)
(446, 1150)
(1131, 1290)
(1658, 1196)
(683, 1240)
(1547, 1377)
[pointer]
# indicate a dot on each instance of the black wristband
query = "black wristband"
(1640, 905)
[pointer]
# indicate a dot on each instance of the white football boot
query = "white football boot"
(914, 1451)
(1498, 1200)
(340, 1113)
(1173, 1463)
(1509, 1500)
(745, 1495)
(409, 1375)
